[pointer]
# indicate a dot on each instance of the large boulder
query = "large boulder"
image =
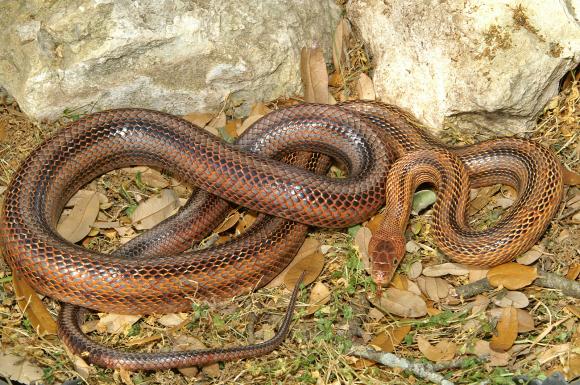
(173, 55)
(491, 63)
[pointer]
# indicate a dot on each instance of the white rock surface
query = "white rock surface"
(173, 55)
(491, 63)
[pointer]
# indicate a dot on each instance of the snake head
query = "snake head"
(385, 255)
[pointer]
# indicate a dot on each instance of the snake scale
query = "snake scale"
(387, 155)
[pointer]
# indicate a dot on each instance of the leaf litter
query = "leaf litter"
(536, 333)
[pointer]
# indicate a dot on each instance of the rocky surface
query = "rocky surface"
(491, 64)
(177, 56)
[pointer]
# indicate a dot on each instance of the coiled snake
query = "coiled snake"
(368, 138)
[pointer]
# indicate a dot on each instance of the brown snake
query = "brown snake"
(366, 137)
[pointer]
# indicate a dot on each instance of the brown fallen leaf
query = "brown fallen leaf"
(116, 323)
(35, 310)
(374, 223)
(516, 299)
(314, 75)
(340, 44)
(77, 225)
(530, 256)
(154, 210)
(572, 366)
(525, 321)
(231, 220)
(435, 289)
(512, 276)
(443, 351)
(172, 319)
(480, 304)
(415, 270)
(246, 221)
(573, 272)
(401, 302)
(445, 269)
(19, 369)
(200, 119)
(365, 87)
(475, 274)
(399, 282)
(319, 295)
(311, 264)
(361, 241)
(387, 340)
(506, 330)
(310, 247)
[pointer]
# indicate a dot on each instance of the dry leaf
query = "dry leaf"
(126, 376)
(154, 178)
(172, 319)
(552, 353)
(361, 241)
(572, 367)
(399, 282)
(365, 87)
(413, 288)
(516, 299)
(475, 274)
(19, 369)
(412, 247)
(530, 256)
(247, 123)
(340, 44)
(374, 223)
(311, 264)
(434, 288)
(116, 323)
(229, 222)
(319, 295)
(573, 272)
(375, 314)
(314, 75)
(387, 340)
(506, 330)
(231, 128)
(415, 270)
(445, 269)
(525, 321)
(155, 209)
(402, 303)
(33, 307)
(479, 304)
(481, 349)
(512, 276)
(77, 225)
(499, 358)
(246, 221)
(443, 351)
(310, 247)
(185, 343)
(200, 119)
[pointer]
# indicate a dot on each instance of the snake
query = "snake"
(385, 151)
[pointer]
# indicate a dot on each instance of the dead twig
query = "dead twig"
(545, 279)
(425, 371)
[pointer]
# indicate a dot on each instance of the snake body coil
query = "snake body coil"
(365, 137)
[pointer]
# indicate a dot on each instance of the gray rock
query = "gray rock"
(492, 64)
(177, 56)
